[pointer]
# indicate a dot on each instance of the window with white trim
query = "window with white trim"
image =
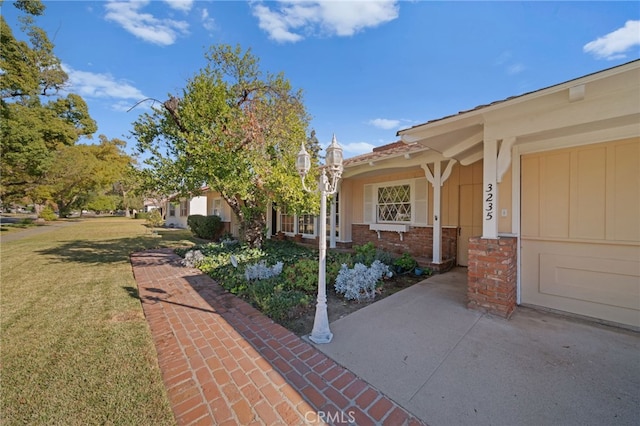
(172, 209)
(184, 208)
(286, 221)
(396, 202)
(307, 224)
(216, 208)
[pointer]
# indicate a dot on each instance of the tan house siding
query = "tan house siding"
(580, 230)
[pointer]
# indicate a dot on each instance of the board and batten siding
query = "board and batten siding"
(580, 230)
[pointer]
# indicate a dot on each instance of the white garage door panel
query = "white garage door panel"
(591, 279)
(595, 280)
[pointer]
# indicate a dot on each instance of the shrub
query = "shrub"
(154, 218)
(274, 301)
(303, 275)
(141, 215)
(48, 214)
(206, 227)
(360, 282)
(365, 254)
(405, 262)
(260, 271)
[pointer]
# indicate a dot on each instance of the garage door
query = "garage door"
(580, 216)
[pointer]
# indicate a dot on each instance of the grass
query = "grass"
(76, 348)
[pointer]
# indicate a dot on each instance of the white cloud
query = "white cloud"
(356, 148)
(616, 43)
(95, 85)
(182, 5)
(514, 69)
(207, 22)
(385, 123)
(144, 25)
(342, 18)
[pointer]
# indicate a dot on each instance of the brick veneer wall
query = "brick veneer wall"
(418, 241)
(492, 275)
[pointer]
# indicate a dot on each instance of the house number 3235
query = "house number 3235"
(489, 202)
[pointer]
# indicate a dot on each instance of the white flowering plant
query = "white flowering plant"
(260, 271)
(360, 282)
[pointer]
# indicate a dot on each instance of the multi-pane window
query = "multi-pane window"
(216, 207)
(286, 221)
(394, 203)
(172, 210)
(306, 224)
(337, 198)
(184, 208)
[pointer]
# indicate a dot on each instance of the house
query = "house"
(538, 195)
(178, 209)
(546, 199)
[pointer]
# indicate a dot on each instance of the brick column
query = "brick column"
(492, 275)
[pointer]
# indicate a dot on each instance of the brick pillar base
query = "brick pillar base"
(492, 275)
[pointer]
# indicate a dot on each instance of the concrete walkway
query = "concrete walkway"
(225, 363)
(452, 366)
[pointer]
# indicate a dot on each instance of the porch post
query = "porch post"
(437, 179)
(437, 228)
(490, 190)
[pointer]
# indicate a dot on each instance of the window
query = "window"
(394, 203)
(336, 196)
(306, 224)
(172, 209)
(184, 208)
(402, 202)
(216, 207)
(286, 221)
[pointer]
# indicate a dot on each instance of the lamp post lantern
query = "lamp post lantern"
(327, 185)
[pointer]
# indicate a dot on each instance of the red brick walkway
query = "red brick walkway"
(223, 362)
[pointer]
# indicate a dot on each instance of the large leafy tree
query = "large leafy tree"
(82, 175)
(35, 119)
(234, 129)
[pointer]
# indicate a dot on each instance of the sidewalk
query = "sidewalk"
(223, 362)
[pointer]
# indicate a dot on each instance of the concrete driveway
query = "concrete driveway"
(452, 366)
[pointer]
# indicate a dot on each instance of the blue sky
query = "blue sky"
(367, 68)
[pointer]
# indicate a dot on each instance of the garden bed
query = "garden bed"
(281, 278)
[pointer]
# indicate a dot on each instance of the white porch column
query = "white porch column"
(437, 227)
(437, 179)
(490, 190)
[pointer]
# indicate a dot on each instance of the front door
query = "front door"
(470, 218)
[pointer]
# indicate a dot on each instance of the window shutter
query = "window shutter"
(420, 201)
(369, 204)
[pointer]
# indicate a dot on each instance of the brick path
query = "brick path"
(225, 363)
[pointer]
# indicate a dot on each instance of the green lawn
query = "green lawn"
(75, 347)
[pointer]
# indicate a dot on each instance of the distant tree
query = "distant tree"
(234, 129)
(81, 174)
(35, 120)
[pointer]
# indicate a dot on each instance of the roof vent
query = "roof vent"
(576, 93)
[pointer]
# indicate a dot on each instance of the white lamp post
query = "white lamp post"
(326, 186)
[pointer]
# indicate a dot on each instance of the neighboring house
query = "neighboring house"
(207, 204)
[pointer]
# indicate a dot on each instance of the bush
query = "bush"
(405, 263)
(303, 275)
(141, 215)
(368, 253)
(48, 214)
(273, 300)
(154, 218)
(206, 227)
(360, 282)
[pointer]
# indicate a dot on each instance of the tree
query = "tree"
(83, 174)
(234, 129)
(32, 130)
